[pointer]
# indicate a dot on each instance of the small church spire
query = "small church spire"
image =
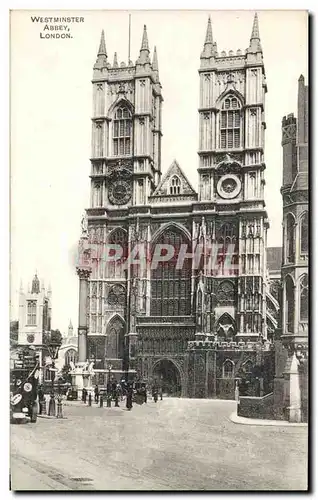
(144, 43)
(115, 63)
(255, 42)
(209, 48)
(102, 45)
(255, 30)
(209, 36)
(101, 61)
(144, 51)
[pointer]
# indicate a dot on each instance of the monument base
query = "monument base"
(82, 378)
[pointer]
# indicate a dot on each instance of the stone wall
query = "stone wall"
(252, 407)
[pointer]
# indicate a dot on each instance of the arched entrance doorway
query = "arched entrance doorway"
(167, 375)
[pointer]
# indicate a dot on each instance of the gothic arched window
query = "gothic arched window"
(290, 238)
(304, 298)
(227, 250)
(230, 123)
(171, 285)
(304, 234)
(175, 185)
(31, 313)
(122, 132)
(97, 195)
(228, 369)
(248, 366)
(118, 244)
(289, 304)
(115, 339)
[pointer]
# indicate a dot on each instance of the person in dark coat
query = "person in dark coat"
(155, 394)
(129, 397)
(96, 393)
(85, 395)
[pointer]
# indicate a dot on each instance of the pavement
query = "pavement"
(173, 445)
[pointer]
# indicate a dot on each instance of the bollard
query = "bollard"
(89, 399)
(52, 406)
(109, 402)
(59, 407)
(40, 406)
(116, 401)
(101, 402)
(43, 406)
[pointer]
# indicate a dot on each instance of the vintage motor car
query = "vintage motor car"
(23, 390)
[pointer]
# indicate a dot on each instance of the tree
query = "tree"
(14, 332)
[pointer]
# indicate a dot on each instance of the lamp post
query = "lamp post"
(53, 346)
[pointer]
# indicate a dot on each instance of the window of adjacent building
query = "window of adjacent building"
(304, 234)
(290, 304)
(230, 123)
(31, 312)
(122, 132)
(175, 185)
(290, 238)
(228, 369)
(304, 298)
(70, 356)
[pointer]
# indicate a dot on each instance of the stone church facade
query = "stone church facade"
(197, 328)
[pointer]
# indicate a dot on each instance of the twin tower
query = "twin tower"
(127, 122)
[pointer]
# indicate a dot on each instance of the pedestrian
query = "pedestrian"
(155, 394)
(129, 397)
(144, 392)
(96, 393)
(160, 392)
(85, 395)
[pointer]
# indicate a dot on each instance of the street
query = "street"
(175, 444)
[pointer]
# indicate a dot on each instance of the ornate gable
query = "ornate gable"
(175, 185)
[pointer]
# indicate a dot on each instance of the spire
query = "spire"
(144, 51)
(102, 45)
(144, 43)
(101, 61)
(209, 48)
(209, 36)
(115, 63)
(255, 42)
(70, 329)
(155, 66)
(255, 30)
(155, 60)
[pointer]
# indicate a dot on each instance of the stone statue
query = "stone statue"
(84, 224)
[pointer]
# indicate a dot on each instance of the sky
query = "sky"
(51, 109)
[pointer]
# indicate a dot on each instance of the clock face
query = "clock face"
(119, 193)
(30, 338)
(229, 186)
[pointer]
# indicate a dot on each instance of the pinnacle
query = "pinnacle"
(255, 30)
(209, 36)
(155, 60)
(102, 45)
(144, 43)
(115, 63)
